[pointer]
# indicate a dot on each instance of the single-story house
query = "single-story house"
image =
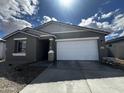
(2, 49)
(66, 41)
(115, 48)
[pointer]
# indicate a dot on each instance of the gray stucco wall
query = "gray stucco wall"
(116, 49)
(83, 34)
(30, 50)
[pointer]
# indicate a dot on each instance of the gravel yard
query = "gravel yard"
(12, 81)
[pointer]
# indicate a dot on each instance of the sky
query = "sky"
(101, 14)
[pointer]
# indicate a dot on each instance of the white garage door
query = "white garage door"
(77, 49)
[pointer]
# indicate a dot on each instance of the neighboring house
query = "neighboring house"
(116, 48)
(68, 42)
(2, 49)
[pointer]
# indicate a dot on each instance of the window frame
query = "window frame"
(20, 45)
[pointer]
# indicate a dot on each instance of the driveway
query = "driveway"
(78, 77)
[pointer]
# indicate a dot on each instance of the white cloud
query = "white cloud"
(107, 2)
(108, 15)
(48, 19)
(9, 8)
(91, 22)
(12, 10)
(104, 16)
(13, 24)
(116, 24)
(104, 25)
(122, 34)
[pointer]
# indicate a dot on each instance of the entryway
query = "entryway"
(42, 49)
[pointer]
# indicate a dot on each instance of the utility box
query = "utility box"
(51, 55)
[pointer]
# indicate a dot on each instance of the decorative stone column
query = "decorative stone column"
(51, 52)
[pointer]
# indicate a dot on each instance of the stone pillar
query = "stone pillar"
(51, 52)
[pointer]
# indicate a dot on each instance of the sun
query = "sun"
(66, 3)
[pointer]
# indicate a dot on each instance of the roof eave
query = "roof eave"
(94, 29)
(22, 31)
(115, 40)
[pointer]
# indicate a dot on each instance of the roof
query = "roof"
(31, 32)
(71, 25)
(1, 40)
(116, 40)
(39, 33)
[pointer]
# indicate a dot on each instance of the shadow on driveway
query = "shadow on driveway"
(77, 70)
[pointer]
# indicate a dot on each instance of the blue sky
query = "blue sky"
(102, 14)
(80, 9)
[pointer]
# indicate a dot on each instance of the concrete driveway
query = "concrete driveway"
(78, 77)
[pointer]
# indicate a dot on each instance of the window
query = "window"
(110, 45)
(20, 46)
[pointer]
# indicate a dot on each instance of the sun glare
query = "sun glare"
(66, 3)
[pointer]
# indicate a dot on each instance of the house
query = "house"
(67, 42)
(27, 45)
(116, 48)
(2, 49)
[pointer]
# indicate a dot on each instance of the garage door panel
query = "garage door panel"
(77, 50)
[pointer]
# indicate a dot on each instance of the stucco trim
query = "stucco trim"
(19, 54)
(20, 39)
(36, 36)
(47, 35)
(77, 39)
(68, 31)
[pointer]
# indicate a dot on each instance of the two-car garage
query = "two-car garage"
(78, 49)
